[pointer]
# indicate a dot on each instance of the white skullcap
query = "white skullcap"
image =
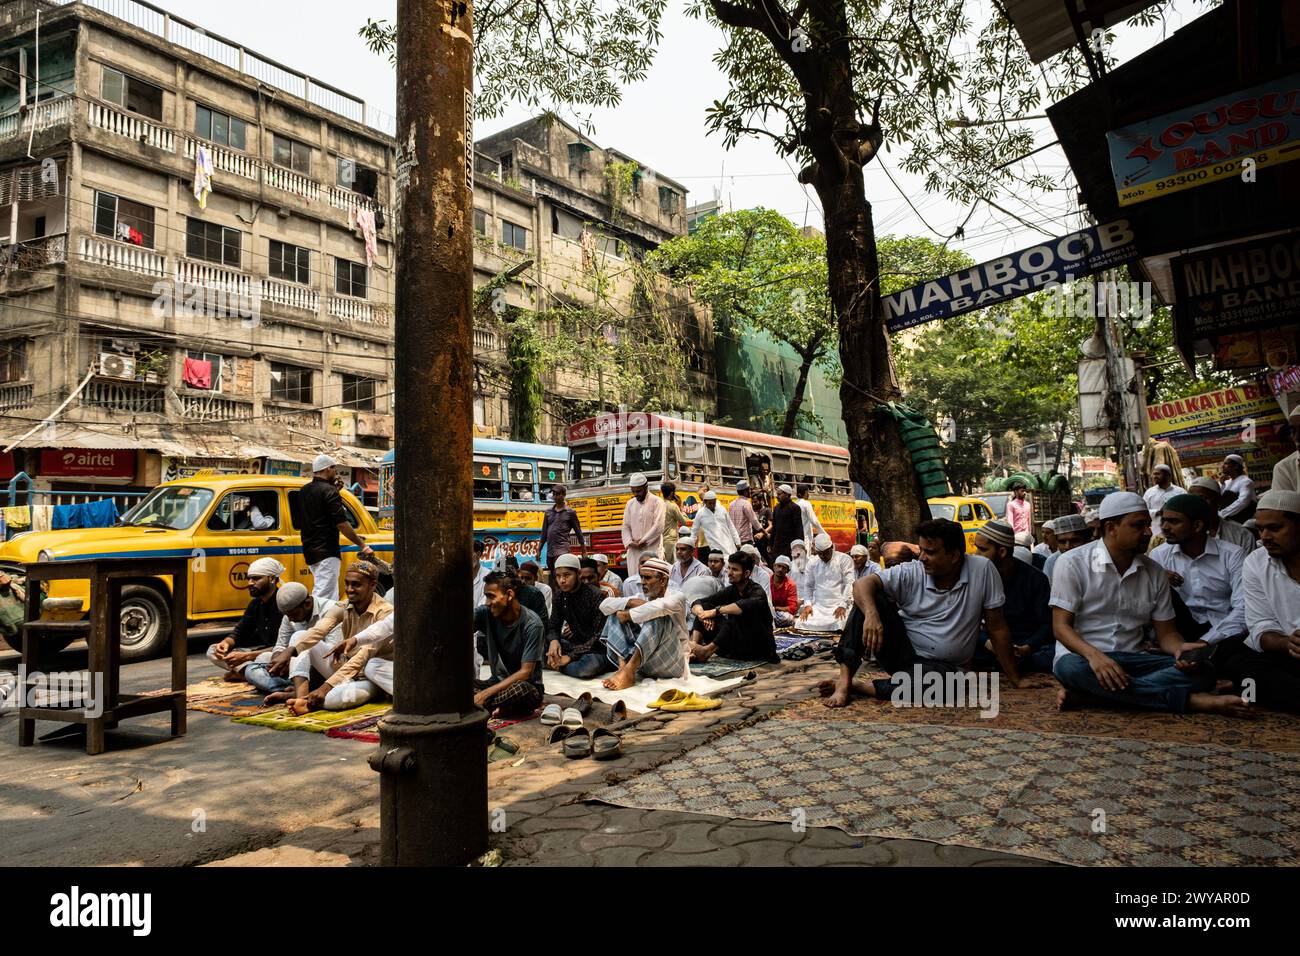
(822, 542)
(1120, 503)
(1279, 500)
(857, 549)
(569, 561)
(750, 549)
(742, 485)
(710, 496)
(1024, 539)
(1049, 525)
(782, 559)
(265, 568)
(599, 559)
(1237, 458)
(638, 480)
(785, 489)
(290, 596)
(322, 462)
(1162, 467)
(798, 543)
(1070, 524)
(1090, 516)
(684, 534)
(1209, 484)
(1022, 553)
(656, 564)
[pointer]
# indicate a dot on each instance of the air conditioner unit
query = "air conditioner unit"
(113, 365)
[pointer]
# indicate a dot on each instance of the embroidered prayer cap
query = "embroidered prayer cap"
(822, 542)
(782, 559)
(1069, 524)
(1117, 504)
(1191, 505)
(785, 490)
(858, 549)
(1209, 484)
(321, 463)
(1276, 499)
(657, 565)
(1237, 458)
(742, 485)
(710, 496)
(291, 596)
(598, 558)
(998, 532)
(638, 480)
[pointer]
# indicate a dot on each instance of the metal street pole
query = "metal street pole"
(432, 753)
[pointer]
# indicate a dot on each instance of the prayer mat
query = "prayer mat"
(721, 667)
(244, 706)
(212, 688)
(637, 696)
(317, 721)
(1068, 799)
(1033, 707)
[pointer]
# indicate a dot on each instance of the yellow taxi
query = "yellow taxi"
(971, 513)
(221, 523)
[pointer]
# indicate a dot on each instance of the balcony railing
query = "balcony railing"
(225, 160)
(485, 340)
(131, 127)
(123, 396)
(123, 255)
(349, 201)
(277, 177)
(41, 117)
(32, 254)
(209, 275)
(306, 419)
(359, 310)
(14, 395)
(213, 408)
(291, 294)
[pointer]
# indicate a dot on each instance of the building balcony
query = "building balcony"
(130, 126)
(39, 118)
(352, 202)
(34, 253)
(102, 251)
(119, 395)
(286, 180)
(292, 417)
(486, 341)
(193, 273)
(214, 407)
(225, 160)
(360, 311)
(16, 395)
(291, 295)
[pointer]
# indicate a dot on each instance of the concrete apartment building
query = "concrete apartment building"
(143, 336)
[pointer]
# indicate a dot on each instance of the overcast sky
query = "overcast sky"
(661, 120)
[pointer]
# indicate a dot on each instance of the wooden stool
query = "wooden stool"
(102, 633)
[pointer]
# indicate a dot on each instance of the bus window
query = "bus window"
(647, 460)
(589, 463)
(731, 460)
(519, 476)
(549, 473)
(840, 478)
(487, 480)
(803, 469)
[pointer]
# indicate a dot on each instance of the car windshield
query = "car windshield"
(171, 507)
(942, 511)
(997, 503)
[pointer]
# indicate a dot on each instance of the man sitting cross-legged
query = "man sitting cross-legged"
(785, 596)
(515, 646)
(646, 636)
(574, 645)
(922, 614)
(362, 608)
(827, 593)
(1026, 610)
(736, 622)
(1103, 596)
(301, 610)
(258, 629)
(1270, 579)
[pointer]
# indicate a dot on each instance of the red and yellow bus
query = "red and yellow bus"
(605, 452)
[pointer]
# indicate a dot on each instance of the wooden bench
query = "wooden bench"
(102, 633)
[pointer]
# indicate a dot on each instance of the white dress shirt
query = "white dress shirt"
(717, 530)
(944, 625)
(811, 526)
(1286, 473)
(1272, 598)
(1110, 611)
(678, 577)
(546, 594)
(1244, 486)
(1211, 586)
(1155, 497)
(1237, 534)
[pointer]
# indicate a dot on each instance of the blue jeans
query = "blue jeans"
(257, 675)
(588, 665)
(1154, 682)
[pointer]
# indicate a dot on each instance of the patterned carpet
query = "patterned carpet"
(1033, 707)
(1019, 792)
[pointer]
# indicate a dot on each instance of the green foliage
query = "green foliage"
(619, 178)
(553, 53)
(524, 360)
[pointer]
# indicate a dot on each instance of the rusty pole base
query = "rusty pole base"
(433, 788)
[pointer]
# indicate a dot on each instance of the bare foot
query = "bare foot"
(841, 692)
(279, 697)
(1223, 686)
(620, 681)
(858, 688)
(702, 652)
(1068, 700)
(1228, 705)
(233, 677)
(303, 705)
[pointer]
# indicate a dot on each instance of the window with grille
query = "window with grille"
(288, 262)
(124, 220)
(289, 383)
(349, 278)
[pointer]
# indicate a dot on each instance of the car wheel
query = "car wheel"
(146, 623)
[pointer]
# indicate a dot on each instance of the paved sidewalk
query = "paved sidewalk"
(536, 798)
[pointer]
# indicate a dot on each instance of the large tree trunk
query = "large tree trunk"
(879, 460)
(796, 403)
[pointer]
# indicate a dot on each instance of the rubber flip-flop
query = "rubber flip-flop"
(668, 697)
(690, 703)
(571, 718)
(583, 704)
(551, 715)
(605, 744)
(578, 744)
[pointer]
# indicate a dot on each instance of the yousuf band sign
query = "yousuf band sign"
(1058, 261)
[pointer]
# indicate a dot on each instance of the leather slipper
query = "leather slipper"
(560, 733)
(583, 704)
(578, 744)
(605, 744)
(619, 710)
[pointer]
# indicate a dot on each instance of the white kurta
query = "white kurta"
(1286, 473)
(717, 530)
(1155, 497)
(1244, 486)
(829, 588)
(678, 577)
(643, 530)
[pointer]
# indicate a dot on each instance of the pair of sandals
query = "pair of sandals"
(553, 714)
(677, 701)
(579, 742)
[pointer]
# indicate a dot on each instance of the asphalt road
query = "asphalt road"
(152, 800)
